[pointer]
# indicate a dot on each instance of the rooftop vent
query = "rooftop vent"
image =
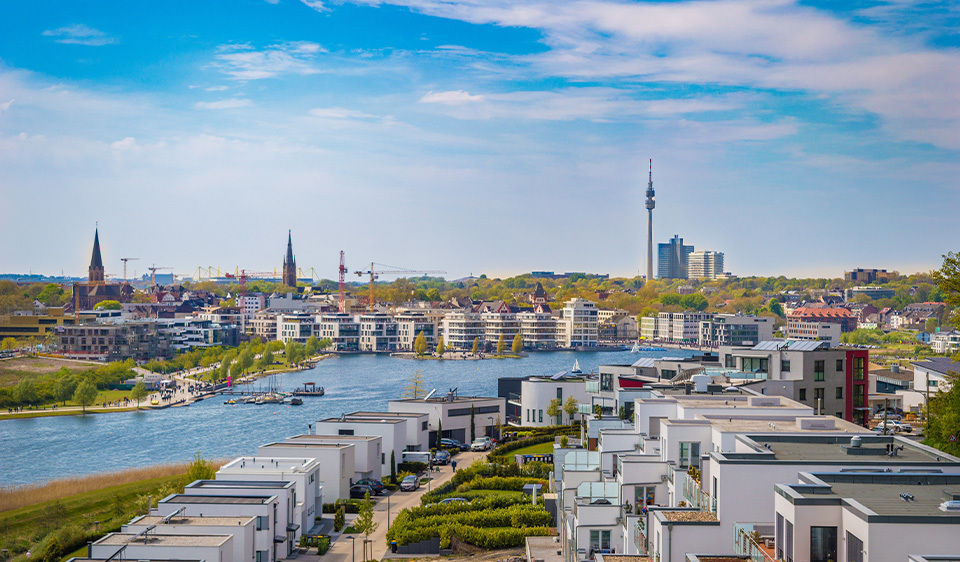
(764, 401)
(855, 441)
(952, 506)
(823, 423)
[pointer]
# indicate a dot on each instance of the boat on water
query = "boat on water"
(576, 367)
(635, 348)
(271, 398)
(296, 402)
(250, 400)
(231, 401)
(653, 349)
(309, 389)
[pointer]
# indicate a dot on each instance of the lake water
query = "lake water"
(37, 449)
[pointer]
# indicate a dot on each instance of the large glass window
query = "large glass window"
(858, 368)
(755, 364)
(689, 454)
(818, 370)
(729, 361)
(599, 540)
(778, 536)
(823, 544)
(858, 395)
(854, 548)
(788, 541)
(839, 364)
(785, 365)
(839, 392)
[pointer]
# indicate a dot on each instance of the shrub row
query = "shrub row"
(513, 483)
(513, 516)
(499, 454)
(484, 538)
(349, 506)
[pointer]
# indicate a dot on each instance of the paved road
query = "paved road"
(341, 550)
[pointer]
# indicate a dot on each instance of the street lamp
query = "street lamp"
(353, 548)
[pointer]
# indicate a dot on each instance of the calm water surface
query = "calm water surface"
(37, 449)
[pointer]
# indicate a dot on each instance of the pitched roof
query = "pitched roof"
(942, 365)
(96, 260)
(822, 312)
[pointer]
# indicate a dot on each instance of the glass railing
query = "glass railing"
(695, 496)
(670, 473)
(640, 536)
(746, 543)
(593, 387)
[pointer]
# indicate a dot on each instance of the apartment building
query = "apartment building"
(704, 265)
(578, 324)
(241, 529)
(538, 328)
(814, 331)
(499, 324)
(296, 326)
(342, 329)
(945, 342)
(335, 469)
(452, 414)
(846, 319)
(263, 325)
(378, 332)
(367, 451)
(137, 340)
(460, 329)
(412, 324)
(735, 329)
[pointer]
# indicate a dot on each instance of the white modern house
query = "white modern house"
(334, 468)
(132, 546)
(240, 528)
(417, 426)
(367, 450)
(391, 430)
(452, 414)
(536, 393)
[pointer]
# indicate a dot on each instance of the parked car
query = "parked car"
(453, 444)
(360, 491)
(453, 500)
(894, 427)
(376, 485)
(481, 444)
(441, 457)
(891, 415)
(410, 483)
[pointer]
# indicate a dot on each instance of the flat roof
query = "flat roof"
(271, 464)
(305, 446)
(235, 500)
(348, 419)
(780, 424)
(882, 493)
(239, 484)
(363, 414)
(543, 548)
(830, 448)
(120, 539)
(443, 398)
(214, 521)
(329, 437)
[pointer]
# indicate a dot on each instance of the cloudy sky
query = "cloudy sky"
(479, 136)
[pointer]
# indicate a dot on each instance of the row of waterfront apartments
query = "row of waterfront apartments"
(259, 505)
(711, 470)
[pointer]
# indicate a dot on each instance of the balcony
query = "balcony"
(748, 540)
(694, 494)
(640, 536)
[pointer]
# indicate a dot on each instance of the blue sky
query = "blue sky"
(479, 136)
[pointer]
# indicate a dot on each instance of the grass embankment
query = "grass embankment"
(65, 512)
(538, 449)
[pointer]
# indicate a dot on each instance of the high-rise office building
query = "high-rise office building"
(673, 259)
(705, 264)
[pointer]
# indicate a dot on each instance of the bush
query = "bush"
(501, 453)
(339, 520)
(414, 467)
(514, 484)
(324, 545)
(349, 506)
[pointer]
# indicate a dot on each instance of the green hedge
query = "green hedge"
(513, 483)
(502, 454)
(349, 506)
(479, 524)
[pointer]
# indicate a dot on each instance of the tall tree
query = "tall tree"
(139, 392)
(25, 392)
(501, 345)
(571, 407)
(555, 409)
(415, 388)
(312, 346)
(393, 467)
(476, 346)
(473, 424)
(517, 346)
(245, 360)
(441, 348)
(85, 394)
(420, 343)
(947, 279)
(64, 387)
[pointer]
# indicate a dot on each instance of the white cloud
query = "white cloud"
(233, 103)
(243, 62)
(340, 113)
(79, 34)
(128, 143)
(216, 89)
(316, 5)
(6, 105)
(452, 97)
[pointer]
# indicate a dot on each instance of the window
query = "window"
(345, 432)
(778, 536)
(689, 454)
(667, 373)
(755, 364)
(818, 370)
(854, 548)
(263, 522)
(818, 394)
(823, 544)
(803, 395)
(858, 396)
(839, 365)
(541, 415)
(858, 368)
(559, 393)
(261, 556)
(839, 392)
(424, 426)
(785, 365)
(729, 361)
(383, 458)
(528, 414)
(788, 541)
(599, 540)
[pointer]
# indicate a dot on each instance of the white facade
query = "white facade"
(343, 331)
(945, 342)
(335, 468)
(378, 332)
(410, 325)
(814, 331)
(537, 392)
(367, 450)
(500, 324)
(240, 528)
(298, 327)
(578, 325)
(392, 432)
(538, 330)
(217, 548)
(704, 265)
(452, 414)
(735, 329)
(417, 426)
(460, 329)
(304, 472)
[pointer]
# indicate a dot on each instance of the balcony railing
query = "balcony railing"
(745, 544)
(640, 536)
(695, 495)
(592, 387)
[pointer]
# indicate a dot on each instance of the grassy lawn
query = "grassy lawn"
(48, 413)
(538, 449)
(36, 368)
(72, 517)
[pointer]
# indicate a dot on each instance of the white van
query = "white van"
(416, 456)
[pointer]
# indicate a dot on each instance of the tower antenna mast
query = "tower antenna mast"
(650, 204)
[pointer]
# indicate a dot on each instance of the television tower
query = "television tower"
(651, 203)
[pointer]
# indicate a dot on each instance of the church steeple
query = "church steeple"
(289, 264)
(96, 262)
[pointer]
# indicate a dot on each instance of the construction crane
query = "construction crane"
(153, 273)
(243, 275)
(374, 274)
(125, 260)
(342, 296)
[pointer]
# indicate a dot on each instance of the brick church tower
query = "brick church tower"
(96, 262)
(289, 264)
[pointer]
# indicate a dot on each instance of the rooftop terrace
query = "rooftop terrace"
(120, 539)
(229, 500)
(883, 494)
(191, 520)
(873, 449)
